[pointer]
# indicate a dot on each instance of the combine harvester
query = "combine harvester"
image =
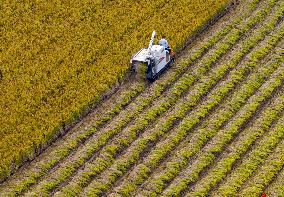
(157, 58)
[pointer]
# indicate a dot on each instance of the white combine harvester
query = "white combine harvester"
(156, 58)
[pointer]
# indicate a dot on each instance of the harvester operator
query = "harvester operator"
(163, 42)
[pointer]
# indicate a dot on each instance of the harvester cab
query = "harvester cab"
(156, 58)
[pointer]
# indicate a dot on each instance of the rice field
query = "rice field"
(211, 125)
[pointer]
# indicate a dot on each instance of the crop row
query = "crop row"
(160, 154)
(273, 163)
(171, 168)
(121, 164)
